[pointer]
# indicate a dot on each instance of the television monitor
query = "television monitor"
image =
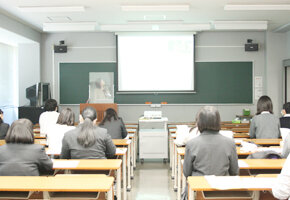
(38, 94)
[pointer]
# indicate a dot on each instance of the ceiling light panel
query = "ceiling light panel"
(257, 7)
(59, 19)
(183, 7)
(69, 27)
(51, 9)
(240, 25)
(150, 27)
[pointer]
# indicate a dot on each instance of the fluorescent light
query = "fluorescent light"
(155, 21)
(149, 27)
(257, 7)
(240, 25)
(69, 27)
(51, 8)
(181, 7)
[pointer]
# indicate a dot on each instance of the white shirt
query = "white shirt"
(54, 136)
(47, 119)
(281, 189)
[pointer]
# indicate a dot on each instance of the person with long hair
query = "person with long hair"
(20, 156)
(65, 123)
(264, 124)
(87, 140)
(210, 153)
(3, 126)
(114, 124)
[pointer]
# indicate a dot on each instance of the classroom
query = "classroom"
(239, 50)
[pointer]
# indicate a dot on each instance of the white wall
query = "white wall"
(210, 46)
(28, 69)
(8, 83)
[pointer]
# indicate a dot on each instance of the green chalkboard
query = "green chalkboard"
(215, 82)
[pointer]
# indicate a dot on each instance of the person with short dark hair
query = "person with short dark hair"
(3, 126)
(114, 124)
(285, 119)
(87, 140)
(65, 123)
(264, 124)
(210, 153)
(49, 117)
(20, 156)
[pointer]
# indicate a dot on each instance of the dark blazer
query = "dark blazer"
(3, 130)
(103, 148)
(285, 122)
(23, 160)
(116, 128)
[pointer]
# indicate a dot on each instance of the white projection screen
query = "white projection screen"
(155, 62)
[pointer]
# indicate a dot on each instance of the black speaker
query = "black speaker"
(60, 48)
(251, 47)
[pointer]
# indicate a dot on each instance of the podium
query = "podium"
(153, 139)
(100, 108)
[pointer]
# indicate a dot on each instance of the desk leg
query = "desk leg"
(136, 149)
(119, 183)
(183, 181)
(178, 177)
(256, 195)
(132, 161)
(110, 194)
(133, 150)
(46, 195)
(124, 157)
(175, 168)
(170, 151)
(173, 165)
(190, 194)
(129, 167)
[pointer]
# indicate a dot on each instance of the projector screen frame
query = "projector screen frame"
(156, 92)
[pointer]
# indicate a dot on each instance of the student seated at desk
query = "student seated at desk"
(281, 189)
(114, 124)
(265, 125)
(210, 153)
(87, 140)
(49, 117)
(65, 123)
(3, 126)
(285, 120)
(20, 156)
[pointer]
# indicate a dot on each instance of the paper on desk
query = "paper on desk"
(238, 140)
(128, 142)
(242, 164)
(224, 182)
(52, 152)
(121, 150)
(258, 182)
(277, 150)
(131, 134)
(236, 182)
(65, 163)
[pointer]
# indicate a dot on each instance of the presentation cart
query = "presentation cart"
(153, 139)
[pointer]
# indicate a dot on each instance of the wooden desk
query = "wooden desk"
(58, 184)
(92, 164)
(200, 183)
(126, 143)
(261, 163)
(265, 142)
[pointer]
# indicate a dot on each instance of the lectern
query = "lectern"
(100, 108)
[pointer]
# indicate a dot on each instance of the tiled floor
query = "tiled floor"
(152, 181)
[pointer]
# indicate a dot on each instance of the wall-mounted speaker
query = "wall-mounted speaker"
(60, 48)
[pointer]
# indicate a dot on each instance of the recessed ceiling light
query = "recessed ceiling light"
(240, 25)
(257, 7)
(181, 7)
(69, 27)
(59, 19)
(154, 17)
(51, 9)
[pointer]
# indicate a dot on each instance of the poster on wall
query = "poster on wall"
(101, 87)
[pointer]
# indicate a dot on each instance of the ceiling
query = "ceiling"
(109, 12)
